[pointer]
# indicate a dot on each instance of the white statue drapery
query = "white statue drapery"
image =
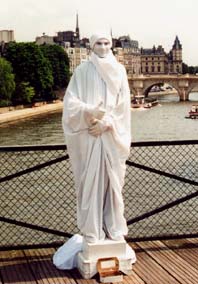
(98, 163)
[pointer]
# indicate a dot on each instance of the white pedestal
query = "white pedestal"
(87, 259)
(106, 248)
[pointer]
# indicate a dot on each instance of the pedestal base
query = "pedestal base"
(106, 248)
(88, 269)
(87, 259)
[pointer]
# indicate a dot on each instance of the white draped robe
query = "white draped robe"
(98, 163)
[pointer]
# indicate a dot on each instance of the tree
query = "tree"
(7, 84)
(189, 69)
(193, 69)
(59, 63)
(23, 94)
(185, 68)
(30, 65)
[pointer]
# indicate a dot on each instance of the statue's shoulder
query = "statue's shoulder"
(82, 67)
(121, 67)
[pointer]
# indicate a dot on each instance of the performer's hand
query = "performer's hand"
(96, 111)
(97, 128)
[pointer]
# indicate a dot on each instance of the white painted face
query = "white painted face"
(102, 47)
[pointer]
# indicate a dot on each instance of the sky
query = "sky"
(150, 22)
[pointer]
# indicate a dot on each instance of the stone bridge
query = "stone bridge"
(184, 84)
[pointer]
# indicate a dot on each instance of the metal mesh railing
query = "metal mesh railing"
(169, 173)
(37, 195)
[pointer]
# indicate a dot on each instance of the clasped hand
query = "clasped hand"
(94, 117)
(97, 127)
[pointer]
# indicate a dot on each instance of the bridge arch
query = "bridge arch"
(148, 86)
(183, 84)
(193, 86)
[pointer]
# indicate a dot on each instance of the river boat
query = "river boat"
(142, 102)
(193, 113)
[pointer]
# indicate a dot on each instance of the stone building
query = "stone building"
(44, 39)
(76, 55)
(127, 53)
(6, 36)
(175, 57)
(157, 61)
(154, 60)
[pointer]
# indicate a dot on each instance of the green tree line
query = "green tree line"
(189, 69)
(31, 73)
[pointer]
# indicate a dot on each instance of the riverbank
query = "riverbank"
(28, 112)
(162, 93)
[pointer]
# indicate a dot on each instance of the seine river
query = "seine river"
(163, 122)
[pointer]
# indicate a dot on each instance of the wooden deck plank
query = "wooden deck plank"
(158, 262)
(14, 268)
(133, 279)
(40, 261)
(150, 271)
(193, 240)
(79, 280)
(186, 249)
(171, 262)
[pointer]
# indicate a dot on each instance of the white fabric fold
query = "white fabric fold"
(109, 70)
(66, 256)
(98, 164)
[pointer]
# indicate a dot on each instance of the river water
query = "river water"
(163, 122)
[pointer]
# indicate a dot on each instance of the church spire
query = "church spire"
(77, 28)
(177, 44)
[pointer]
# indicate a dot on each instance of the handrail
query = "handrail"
(64, 147)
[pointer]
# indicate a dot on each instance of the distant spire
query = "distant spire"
(77, 27)
(111, 33)
(177, 44)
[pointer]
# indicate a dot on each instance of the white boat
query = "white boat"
(193, 113)
(142, 102)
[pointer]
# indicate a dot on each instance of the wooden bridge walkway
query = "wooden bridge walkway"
(159, 262)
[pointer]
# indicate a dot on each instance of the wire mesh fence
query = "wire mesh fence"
(38, 203)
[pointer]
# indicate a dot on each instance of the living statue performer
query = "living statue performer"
(96, 123)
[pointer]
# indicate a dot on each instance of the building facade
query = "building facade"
(157, 61)
(6, 36)
(175, 57)
(154, 61)
(76, 55)
(127, 53)
(44, 39)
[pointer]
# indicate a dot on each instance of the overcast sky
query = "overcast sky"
(148, 21)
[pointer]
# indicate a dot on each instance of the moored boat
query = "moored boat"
(193, 113)
(142, 102)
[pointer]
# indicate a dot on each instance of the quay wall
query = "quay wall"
(21, 113)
